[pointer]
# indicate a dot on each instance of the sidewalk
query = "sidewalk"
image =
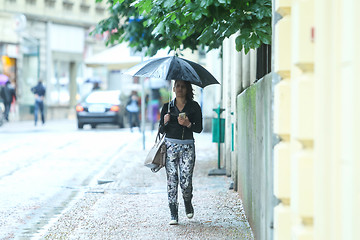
(134, 205)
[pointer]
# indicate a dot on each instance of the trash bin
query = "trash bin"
(218, 130)
(218, 134)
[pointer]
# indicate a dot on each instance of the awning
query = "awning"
(115, 58)
(118, 57)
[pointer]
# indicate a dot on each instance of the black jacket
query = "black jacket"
(173, 129)
(39, 89)
(7, 93)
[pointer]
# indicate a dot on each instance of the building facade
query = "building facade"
(316, 112)
(295, 160)
(48, 40)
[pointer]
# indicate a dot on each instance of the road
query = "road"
(45, 168)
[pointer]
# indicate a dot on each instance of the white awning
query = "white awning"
(118, 57)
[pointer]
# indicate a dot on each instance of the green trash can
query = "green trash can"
(218, 130)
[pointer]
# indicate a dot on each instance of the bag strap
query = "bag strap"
(158, 137)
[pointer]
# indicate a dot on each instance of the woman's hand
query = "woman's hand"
(184, 121)
(166, 118)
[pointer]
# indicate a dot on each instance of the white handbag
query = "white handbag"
(156, 158)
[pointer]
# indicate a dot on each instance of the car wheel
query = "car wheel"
(80, 126)
(121, 124)
(93, 126)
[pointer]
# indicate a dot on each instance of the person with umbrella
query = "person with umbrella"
(179, 119)
(183, 118)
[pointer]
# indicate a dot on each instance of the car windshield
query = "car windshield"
(104, 97)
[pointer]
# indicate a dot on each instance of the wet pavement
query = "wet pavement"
(134, 204)
(45, 168)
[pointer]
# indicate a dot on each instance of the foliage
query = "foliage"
(182, 24)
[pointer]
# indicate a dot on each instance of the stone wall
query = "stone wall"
(254, 161)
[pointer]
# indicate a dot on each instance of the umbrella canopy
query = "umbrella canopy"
(173, 68)
(3, 79)
(93, 80)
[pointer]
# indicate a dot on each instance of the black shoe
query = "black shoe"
(189, 209)
(174, 213)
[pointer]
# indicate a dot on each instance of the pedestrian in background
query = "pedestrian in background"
(178, 124)
(154, 107)
(39, 91)
(96, 86)
(8, 95)
(132, 107)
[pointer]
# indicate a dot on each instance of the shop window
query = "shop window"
(30, 67)
(59, 83)
(8, 67)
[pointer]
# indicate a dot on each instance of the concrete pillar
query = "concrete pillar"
(237, 88)
(245, 70)
(252, 66)
(47, 77)
(226, 150)
(73, 85)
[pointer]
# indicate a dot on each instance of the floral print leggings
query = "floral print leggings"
(180, 159)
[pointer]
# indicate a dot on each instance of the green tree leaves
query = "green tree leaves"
(181, 24)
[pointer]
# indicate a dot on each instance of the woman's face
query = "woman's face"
(180, 89)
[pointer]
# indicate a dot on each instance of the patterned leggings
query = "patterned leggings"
(180, 157)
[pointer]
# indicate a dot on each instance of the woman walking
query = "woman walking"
(183, 118)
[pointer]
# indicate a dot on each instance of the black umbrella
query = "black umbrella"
(93, 80)
(173, 68)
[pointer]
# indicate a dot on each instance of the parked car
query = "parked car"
(100, 107)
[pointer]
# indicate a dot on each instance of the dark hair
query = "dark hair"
(189, 90)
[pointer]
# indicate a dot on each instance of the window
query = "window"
(263, 61)
(60, 81)
(100, 8)
(31, 2)
(84, 6)
(68, 5)
(50, 3)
